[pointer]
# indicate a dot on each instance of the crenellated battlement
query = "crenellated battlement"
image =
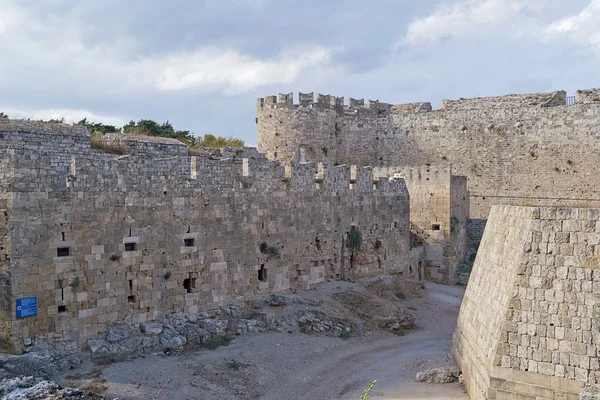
(549, 99)
(286, 100)
(516, 148)
(144, 158)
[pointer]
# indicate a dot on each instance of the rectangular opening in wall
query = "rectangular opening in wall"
(131, 299)
(189, 284)
(130, 246)
(62, 309)
(435, 227)
(62, 252)
(262, 273)
(188, 242)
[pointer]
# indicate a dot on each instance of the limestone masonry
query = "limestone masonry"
(439, 209)
(517, 149)
(97, 238)
(529, 324)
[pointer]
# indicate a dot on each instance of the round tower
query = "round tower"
(303, 132)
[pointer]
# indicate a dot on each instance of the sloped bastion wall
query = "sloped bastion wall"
(529, 324)
(97, 238)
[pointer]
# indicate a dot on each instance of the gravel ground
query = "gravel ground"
(299, 366)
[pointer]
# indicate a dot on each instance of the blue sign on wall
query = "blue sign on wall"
(27, 307)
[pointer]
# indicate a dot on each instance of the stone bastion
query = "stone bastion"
(529, 324)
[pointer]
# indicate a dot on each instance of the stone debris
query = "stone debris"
(30, 388)
(439, 375)
(347, 313)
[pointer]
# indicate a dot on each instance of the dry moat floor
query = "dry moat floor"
(298, 366)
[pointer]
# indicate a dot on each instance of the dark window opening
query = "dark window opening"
(318, 243)
(62, 235)
(130, 246)
(395, 224)
(189, 228)
(435, 227)
(189, 284)
(62, 309)
(262, 273)
(129, 232)
(131, 299)
(130, 284)
(188, 242)
(62, 252)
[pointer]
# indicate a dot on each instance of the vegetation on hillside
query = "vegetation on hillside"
(148, 127)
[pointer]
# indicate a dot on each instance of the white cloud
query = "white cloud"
(461, 19)
(70, 116)
(57, 45)
(582, 28)
(10, 16)
(235, 72)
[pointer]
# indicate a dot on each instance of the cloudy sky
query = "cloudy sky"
(201, 64)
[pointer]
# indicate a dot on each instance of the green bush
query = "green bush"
(355, 239)
(273, 251)
(216, 341)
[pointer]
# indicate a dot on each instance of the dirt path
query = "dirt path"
(279, 366)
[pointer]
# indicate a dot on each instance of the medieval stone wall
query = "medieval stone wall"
(439, 207)
(529, 325)
(5, 248)
(517, 149)
(100, 238)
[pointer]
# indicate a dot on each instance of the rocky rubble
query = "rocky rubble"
(344, 314)
(30, 388)
(439, 375)
(177, 332)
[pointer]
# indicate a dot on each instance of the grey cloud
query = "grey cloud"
(106, 56)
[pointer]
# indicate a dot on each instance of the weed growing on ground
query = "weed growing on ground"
(96, 385)
(236, 365)
(216, 341)
(365, 395)
(345, 335)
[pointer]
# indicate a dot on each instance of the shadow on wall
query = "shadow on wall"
(475, 228)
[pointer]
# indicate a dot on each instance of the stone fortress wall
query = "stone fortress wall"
(439, 211)
(99, 238)
(537, 334)
(517, 149)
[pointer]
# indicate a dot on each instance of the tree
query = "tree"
(97, 127)
(212, 141)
